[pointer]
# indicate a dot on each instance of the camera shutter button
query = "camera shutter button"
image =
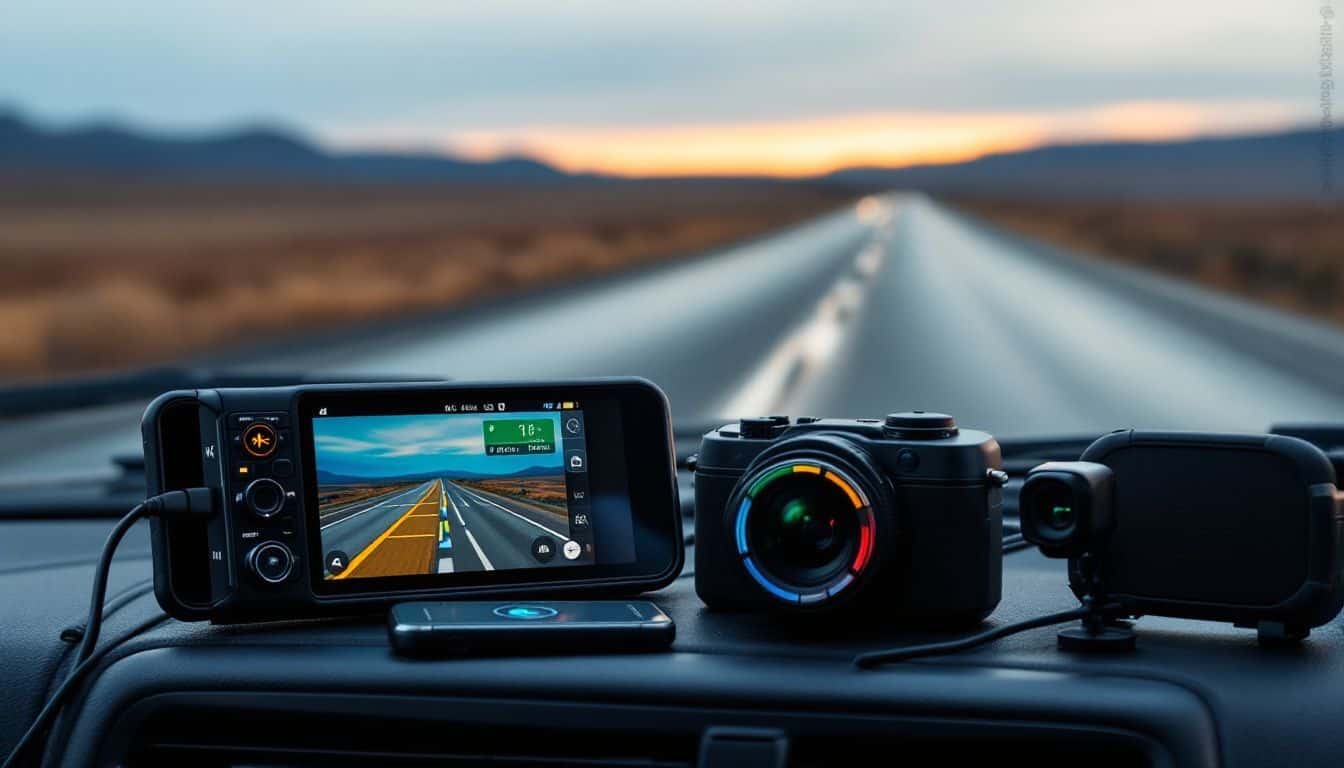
(761, 427)
(265, 497)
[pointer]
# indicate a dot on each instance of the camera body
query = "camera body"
(340, 499)
(1247, 529)
(900, 518)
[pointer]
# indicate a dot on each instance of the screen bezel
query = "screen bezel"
(650, 468)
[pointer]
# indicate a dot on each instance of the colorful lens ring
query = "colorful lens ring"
(863, 554)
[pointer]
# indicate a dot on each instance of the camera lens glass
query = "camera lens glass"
(1053, 509)
(804, 529)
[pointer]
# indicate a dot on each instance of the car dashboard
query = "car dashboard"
(735, 688)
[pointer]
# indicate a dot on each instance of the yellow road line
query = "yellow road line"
(359, 559)
(411, 536)
(425, 514)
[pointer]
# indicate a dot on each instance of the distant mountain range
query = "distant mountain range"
(336, 478)
(1284, 165)
(259, 153)
(1274, 166)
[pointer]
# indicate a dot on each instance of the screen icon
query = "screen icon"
(572, 550)
(525, 612)
(573, 426)
(543, 549)
(336, 562)
(489, 406)
(567, 405)
(499, 406)
(576, 461)
(321, 411)
(548, 406)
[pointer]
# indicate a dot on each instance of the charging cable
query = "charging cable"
(878, 658)
(187, 504)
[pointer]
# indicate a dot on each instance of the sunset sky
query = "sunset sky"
(695, 86)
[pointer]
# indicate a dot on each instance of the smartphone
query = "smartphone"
(528, 627)
(342, 498)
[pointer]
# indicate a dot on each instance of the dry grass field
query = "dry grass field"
(546, 492)
(1287, 255)
(109, 275)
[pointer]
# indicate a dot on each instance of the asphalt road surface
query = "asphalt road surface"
(894, 303)
(385, 535)
(495, 532)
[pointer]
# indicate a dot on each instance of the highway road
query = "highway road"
(899, 303)
(438, 526)
(894, 303)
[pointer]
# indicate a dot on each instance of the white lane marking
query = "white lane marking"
(525, 519)
(445, 565)
(811, 345)
(485, 561)
(452, 503)
(420, 488)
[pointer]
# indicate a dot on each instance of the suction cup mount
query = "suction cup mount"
(1100, 631)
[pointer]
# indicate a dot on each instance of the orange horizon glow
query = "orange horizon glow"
(810, 146)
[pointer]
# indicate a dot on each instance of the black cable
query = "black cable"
(57, 699)
(190, 503)
(94, 625)
(878, 658)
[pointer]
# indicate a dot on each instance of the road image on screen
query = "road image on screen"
(442, 493)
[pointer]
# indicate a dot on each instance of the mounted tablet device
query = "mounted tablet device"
(340, 499)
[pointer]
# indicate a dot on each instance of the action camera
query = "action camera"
(1065, 507)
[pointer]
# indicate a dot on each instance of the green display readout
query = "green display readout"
(510, 437)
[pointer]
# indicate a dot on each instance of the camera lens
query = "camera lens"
(1051, 509)
(805, 531)
(1061, 517)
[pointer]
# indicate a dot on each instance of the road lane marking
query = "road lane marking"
(810, 346)
(411, 536)
(445, 565)
(425, 514)
(524, 518)
(485, 561)
(444, 487)
(357, 560)
(376, 506)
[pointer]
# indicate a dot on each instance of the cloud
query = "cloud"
(473, 445)
(420, 437)
(337, 444)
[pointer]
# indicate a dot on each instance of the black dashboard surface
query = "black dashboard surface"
(1208, 693)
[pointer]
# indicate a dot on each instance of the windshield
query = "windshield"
(1045, 218)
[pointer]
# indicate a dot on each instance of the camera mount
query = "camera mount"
(1100, 631)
